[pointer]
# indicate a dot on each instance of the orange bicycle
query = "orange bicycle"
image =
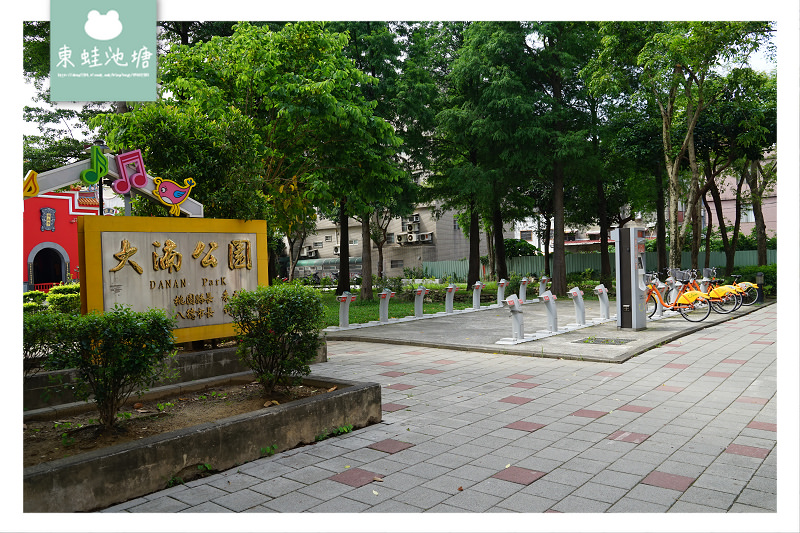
(724, 298)
(693, 305)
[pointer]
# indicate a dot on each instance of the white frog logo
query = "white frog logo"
(103, 27)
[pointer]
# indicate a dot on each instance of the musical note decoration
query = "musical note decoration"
(98, 168)
(131, 172)
(171, 194)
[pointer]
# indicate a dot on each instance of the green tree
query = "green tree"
(266, 111)
(673, 63)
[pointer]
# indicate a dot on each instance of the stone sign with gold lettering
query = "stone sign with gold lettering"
(189, 267)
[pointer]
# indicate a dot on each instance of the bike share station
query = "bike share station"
(631, 284)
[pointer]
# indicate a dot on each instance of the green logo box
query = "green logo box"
(102, 50)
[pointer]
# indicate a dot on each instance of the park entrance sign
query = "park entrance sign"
(187, 266)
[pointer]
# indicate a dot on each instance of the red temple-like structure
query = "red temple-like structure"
(50, 237)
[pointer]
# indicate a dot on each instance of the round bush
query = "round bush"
(278, 329)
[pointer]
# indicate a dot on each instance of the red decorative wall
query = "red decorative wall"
(63, 238)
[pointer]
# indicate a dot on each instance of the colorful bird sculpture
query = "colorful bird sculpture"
(171, 194)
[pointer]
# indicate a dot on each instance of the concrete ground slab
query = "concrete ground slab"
(481, 331)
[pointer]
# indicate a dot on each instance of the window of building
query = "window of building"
(318, 244)
(353, 242)
(390, 238)
(328, 238)
(396, 263)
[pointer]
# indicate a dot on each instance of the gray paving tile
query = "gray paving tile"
(618, 479)
(325, 489)
(686, 507)
(548, 489)
(526, 503)
(424, 497)
(708, 497)
(277, 487)
(295, 502)
(448, 484)
(650, 493)
(159, 505)
(497, 487)
(473, 472)
(632, 505)
(207, 507)
(372, 493)
(472, 501)
(579, 504)
(240, 500)
(197, 495)
(444, 508)
(757, 498)
(308, 474)
(393, 506)
(339, 504)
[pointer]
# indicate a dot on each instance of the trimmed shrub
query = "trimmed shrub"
(31, 307)
(69, 288)
(41, 335)
(37, 297)
(69, 303)
(114, 354)
(278, 329)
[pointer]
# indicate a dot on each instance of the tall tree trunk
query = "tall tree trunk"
(490, 254)
(366, 260)
(756, 195)
(380, 261)
(499, 245)
(559, 285)
(693, 203)
(697, 233)
(295, 245)
(661, 221)
(709, 227)
(547, 231)
(473, 273)
(343, 284)
(602, 215)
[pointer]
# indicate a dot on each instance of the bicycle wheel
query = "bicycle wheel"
(725, 304)
(739, 301)
(652, 305)
(697, 312)
(750, 296)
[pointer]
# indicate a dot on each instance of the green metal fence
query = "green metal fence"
(582, 262)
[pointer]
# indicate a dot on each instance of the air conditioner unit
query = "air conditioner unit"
(335, 250)
(415, 217)
(426, 237)
(408, 227)
(401, 238)
(312, 253)
(412, 237)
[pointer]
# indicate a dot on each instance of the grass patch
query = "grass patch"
(365, 311)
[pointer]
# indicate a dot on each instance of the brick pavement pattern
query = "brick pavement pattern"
(686, 427)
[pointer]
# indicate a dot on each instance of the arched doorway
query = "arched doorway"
(48, 267)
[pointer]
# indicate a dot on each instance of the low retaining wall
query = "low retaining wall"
(47, 389)
(101, 478)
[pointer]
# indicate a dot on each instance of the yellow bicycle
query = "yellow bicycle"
(693, 305)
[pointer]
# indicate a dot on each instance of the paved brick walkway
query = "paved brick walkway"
(689, 426)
